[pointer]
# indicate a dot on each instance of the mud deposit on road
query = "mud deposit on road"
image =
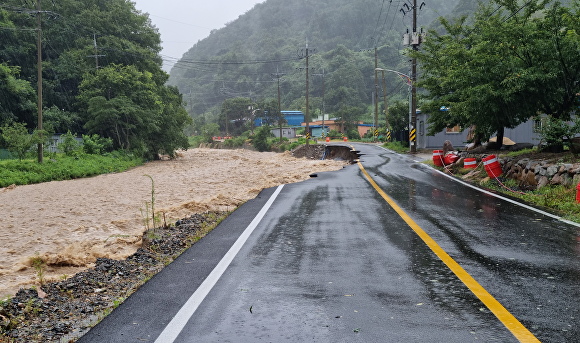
(69, 224)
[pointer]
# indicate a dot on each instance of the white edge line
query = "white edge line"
(510, 200)
(499, 196)
(176, 325)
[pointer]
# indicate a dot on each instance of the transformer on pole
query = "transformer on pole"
(414, 40)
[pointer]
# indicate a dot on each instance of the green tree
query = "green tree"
(347, 117)
(17, 41)
(271, 116)
(18, 140)
(347, 79)
(235, 112)
(500, 71)
(399, 115)
(128, 106)
(17, 98)
(208, 131)
(353, 134)
(58, 121)
(551, 60)
(96, 145)
(260, 140)
(172, 121)
(557, 133)
(72, 31)
(119, 118)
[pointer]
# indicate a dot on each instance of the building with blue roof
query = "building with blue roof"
(293, 118)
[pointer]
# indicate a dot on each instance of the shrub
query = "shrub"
(334, 133)
(260, 140)
(556, 133)
(235, 142)
(70, 146)
(96, 145)
(294, 145)
(17, 139)
(279, 145)
(208, 131)
(196, 141)
(353, 134)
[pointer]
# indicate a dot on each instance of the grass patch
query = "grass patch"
(557, 199)
(397, 147)
(62, 167)
(521, 152)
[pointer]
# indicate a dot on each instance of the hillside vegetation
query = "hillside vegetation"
(101, 74)
(492, 64)
(245, 58)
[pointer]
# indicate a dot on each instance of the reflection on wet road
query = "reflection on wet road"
(528, 260)
(511, 323)
(332, 261)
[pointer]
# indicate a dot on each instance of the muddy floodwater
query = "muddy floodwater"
(71, 223)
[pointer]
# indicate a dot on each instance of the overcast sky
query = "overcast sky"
(182, 23)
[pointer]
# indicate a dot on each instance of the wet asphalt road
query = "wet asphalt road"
(331, 261)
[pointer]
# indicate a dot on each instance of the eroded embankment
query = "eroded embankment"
(327, 152)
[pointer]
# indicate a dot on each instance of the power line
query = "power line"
(236, 62)
(519, 9)
(375, 31)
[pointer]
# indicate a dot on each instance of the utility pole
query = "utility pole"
(223, 91)
(39, 78)
(385, 101)
(413, 128)
(375, 94)
(376, 97)
(407, 79)
(306, 54)
(307, 104)
(38, 12)
(96, 55)
(278, 75)
(323, 108)
(414, 40)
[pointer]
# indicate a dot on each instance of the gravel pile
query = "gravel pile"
(63, 311)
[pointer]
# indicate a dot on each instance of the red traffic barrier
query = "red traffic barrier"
(450, 159)
(492, 166)
(578, 193)
(438, 158)
(345, 139)
(327, 139)
(469, 163)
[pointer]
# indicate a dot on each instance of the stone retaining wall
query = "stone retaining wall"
(536, 173)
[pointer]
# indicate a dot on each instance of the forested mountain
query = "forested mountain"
(244, 58)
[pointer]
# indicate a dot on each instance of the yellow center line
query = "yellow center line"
(510, 322)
